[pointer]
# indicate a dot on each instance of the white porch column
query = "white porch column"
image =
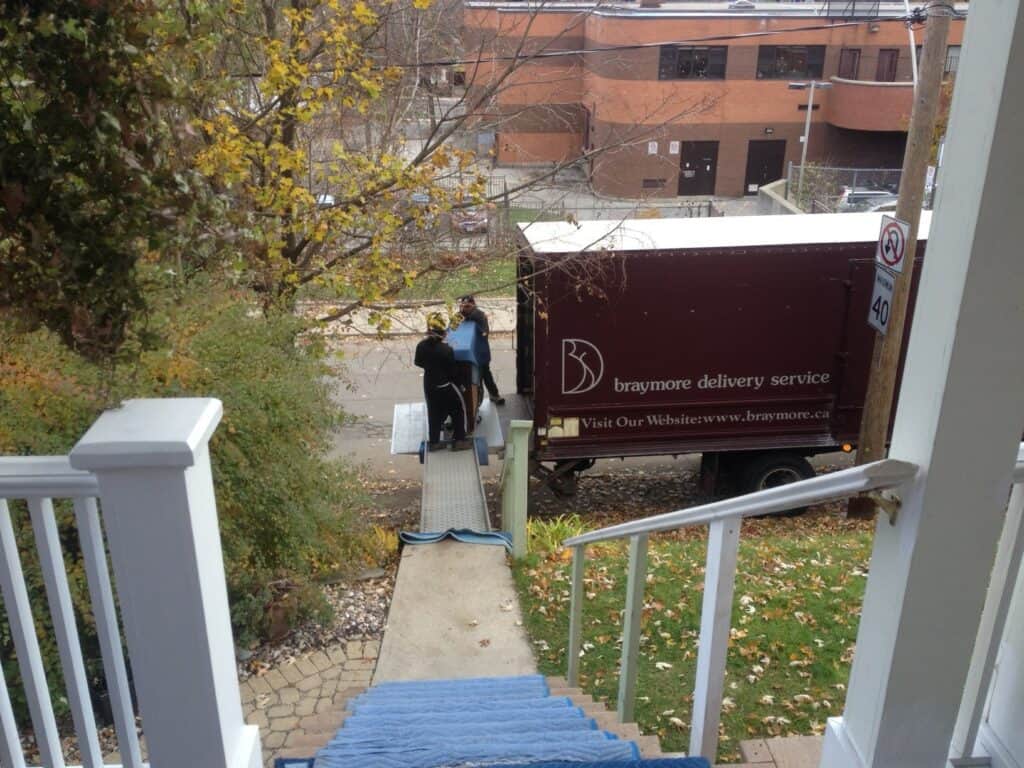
(156, 496)
(960, 417)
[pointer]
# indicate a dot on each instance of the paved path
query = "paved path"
(454, 614)
(299, 702)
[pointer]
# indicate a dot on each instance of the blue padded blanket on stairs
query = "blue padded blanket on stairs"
(513, 722)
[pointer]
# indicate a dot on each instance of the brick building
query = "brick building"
(671, 110)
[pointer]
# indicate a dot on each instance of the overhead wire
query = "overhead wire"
(917, 16)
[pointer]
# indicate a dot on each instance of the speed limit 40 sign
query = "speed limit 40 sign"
(881, 300)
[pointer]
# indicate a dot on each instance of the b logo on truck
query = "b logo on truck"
(582, 366)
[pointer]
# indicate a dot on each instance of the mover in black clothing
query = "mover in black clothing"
(470, 311)
(439, 388)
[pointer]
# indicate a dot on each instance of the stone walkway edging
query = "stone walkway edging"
(304, 699)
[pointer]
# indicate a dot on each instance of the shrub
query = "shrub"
(286, 513)
(546, 535)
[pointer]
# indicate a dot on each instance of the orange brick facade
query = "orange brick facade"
(651, 134)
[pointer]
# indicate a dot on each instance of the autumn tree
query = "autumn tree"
(340, 151)
(321, 192)
(92, 182)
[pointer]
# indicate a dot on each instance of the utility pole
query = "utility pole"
(874, 428)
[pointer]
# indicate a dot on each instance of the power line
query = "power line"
(911, 19)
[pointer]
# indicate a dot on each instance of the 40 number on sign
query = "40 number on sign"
(881, 300)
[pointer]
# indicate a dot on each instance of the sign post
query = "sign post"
(885, 360)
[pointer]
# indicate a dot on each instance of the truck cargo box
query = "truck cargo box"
(666, 336)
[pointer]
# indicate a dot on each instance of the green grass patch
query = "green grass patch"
(491, 277)
(529, 215)
(794, 624)
(475, 279)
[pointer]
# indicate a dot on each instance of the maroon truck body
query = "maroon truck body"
(697, 335)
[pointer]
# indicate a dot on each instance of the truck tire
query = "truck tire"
(563, 481)
(563, 486)
(770, 470)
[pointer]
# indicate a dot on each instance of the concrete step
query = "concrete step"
(783, 751)
(560, 691)
(755, 751)
(795, 751)
(650, 746)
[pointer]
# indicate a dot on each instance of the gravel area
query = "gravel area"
(360, 613)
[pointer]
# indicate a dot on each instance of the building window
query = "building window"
(686, 62)
(790, 61)
(849, 63)
(887, 60)
(952, 60)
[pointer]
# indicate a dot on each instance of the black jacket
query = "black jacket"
(478, 317)
(437, 361)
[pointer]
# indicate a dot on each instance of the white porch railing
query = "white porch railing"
(724, 519)
(147, 465)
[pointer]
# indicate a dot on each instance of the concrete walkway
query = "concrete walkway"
(454, 614)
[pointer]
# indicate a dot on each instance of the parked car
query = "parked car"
(470, 221)
(864, 198)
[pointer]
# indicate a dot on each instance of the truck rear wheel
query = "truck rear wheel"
(562, 480)
(770, 470)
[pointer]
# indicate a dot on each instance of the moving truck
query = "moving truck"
(745, 339)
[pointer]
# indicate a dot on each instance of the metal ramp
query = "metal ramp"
(453, 494)
(409, 427)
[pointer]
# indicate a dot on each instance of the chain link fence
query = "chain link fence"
(507, 210)
(828, 189)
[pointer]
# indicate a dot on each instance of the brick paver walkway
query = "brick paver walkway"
(299, 703)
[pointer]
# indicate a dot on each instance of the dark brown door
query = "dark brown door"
(764, 163)
(887, 59)
(698, 164)
(849, 63)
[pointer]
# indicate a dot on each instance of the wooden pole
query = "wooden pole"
(874, 428)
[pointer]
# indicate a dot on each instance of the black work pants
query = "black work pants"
(488, 380)
(442, 402)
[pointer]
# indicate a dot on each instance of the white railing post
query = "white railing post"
(576, 616)
(635, 584)
(10, 745)
(517, 485)
(715, 620)
(152, 463)
(26, 644)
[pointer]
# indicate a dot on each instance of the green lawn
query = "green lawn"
(492, 277)
(795, 616)
(474, 279)
(530, 215)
